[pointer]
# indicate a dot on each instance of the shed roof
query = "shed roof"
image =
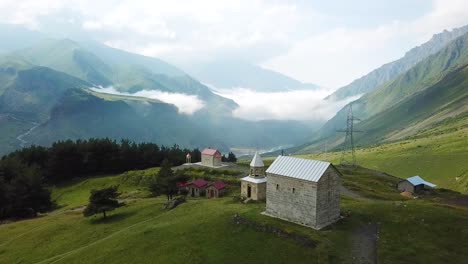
(416, 180)
(257, 161)
(211, 152)
(218, 185)
(198, 183)
(303, 169)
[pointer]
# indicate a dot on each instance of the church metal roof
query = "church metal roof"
(254, 180)
(257, 161)
(303, 169)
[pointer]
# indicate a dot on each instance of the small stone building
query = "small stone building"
(215, 189)
(303, 191)
(254, 185)
(414, 184)
(211, 157)
(196, 188)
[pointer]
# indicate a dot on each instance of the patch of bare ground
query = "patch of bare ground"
(364, 244)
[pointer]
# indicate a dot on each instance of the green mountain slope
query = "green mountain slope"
(126, 72)
(81, 114)
(67, 56)
(447, 99)
(422, 76)
(390, 71)
(30, 93)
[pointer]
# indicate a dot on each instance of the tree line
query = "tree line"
(25, 173)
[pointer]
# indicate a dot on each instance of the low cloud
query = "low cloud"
(186, 104)
(291, 105)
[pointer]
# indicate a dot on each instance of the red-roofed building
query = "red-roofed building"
(216, 189)
(197, 187)
(211, 157)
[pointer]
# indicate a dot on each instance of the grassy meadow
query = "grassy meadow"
(439, 155)
(202, 231)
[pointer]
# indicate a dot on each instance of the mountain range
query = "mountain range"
(45, 96)
(229, 74)
(432, 92)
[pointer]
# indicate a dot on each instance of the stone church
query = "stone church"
(254, 185)
(303, 191)
(211, 157)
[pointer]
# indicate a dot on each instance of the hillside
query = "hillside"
(391, 70)
(438, 154)
(104, 66)
(202, 230)
(401, 104)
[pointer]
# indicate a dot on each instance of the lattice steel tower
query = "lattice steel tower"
(348, 156)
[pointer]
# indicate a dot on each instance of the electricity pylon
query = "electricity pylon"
(348, 144)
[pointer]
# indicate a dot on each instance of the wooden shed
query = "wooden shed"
(215, 189)
(414, 184)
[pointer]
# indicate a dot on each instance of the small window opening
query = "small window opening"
(277, 186)
(294, 190)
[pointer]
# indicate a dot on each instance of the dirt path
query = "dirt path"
(347, 192)
(364, 239)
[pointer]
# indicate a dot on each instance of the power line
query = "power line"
(348, 144)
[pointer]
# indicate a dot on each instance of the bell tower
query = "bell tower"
(253, 187)
(257, 168)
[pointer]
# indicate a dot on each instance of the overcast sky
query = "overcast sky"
(329, 43)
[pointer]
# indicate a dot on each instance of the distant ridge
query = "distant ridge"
(389, 71)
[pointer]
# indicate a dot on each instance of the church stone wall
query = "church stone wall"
(309, 203)
(258, 190)
(291, 199)
(210, 161)
(328, 198)
(207, 160)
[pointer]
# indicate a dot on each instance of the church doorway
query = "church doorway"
(249, 191)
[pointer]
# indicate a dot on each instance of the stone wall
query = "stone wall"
(328, 198)
(216, 162)
(304, 202)
(405, 186)
(194, 191)
(291, 199)
(207, 160)
(210, 161)
(301, 239)
(258, 190)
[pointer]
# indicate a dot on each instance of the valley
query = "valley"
(246, 132)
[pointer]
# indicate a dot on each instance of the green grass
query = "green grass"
(202, 231)
(75, 194)
(439, 155)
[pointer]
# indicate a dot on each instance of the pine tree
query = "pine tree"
(102, 201)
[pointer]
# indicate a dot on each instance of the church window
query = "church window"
(277, 186)
(294, 190)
